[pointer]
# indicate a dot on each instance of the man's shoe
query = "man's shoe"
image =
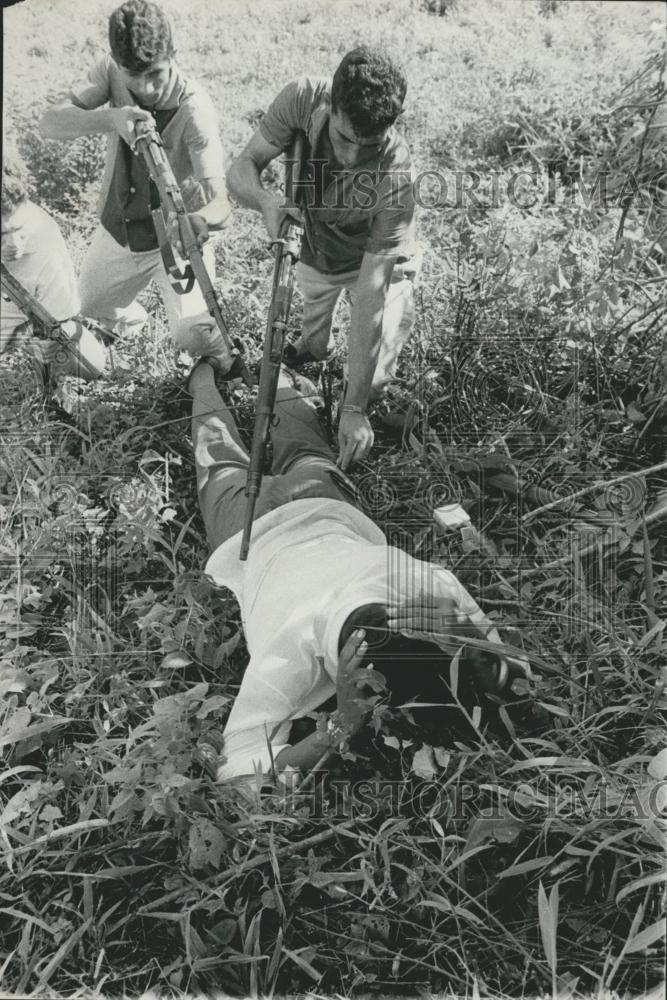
(220, 372)
(299, 359)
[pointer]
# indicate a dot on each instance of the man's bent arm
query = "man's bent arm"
(243, 181)
(243, 176)
(66, 121)
(366, 326)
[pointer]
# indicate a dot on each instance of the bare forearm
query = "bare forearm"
(305, 754)
(364, 346)
(65, 121)
(244, 184)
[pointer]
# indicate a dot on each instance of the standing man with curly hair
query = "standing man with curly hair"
(141, 82)
(358, 211)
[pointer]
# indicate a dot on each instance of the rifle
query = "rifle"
(287, 250)
(150, 145)
(68, 333)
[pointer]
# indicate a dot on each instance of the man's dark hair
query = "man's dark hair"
(369, 87)
(416, 670)
(15, 183)
(139, 34)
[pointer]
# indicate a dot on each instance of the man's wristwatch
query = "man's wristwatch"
(353, 408)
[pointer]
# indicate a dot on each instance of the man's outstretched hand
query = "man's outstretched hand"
(355, 438)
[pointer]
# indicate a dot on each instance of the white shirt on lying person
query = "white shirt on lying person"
(311, 563)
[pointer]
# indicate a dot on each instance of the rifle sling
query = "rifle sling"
(177, 277)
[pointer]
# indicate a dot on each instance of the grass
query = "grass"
(538, 369)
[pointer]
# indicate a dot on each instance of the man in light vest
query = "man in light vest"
(140, 81)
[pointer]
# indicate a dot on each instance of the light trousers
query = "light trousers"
(112, 276)
(321, 293)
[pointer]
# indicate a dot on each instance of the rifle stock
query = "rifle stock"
(149, 143)
(287, 250)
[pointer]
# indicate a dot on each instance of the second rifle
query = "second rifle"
(287, 250)
(87, 353)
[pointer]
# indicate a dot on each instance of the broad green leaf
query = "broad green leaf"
(526, 866)
(206, 844)
(15, 734)
(504, 829)
(640, 883)
(657, 767)
(548, 914)
(647, 937)
(423, 764)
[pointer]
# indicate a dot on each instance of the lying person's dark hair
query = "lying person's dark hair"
(418, 671)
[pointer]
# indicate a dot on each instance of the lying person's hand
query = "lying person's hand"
(355, 438)
(199, 227)
(351, 679)
(428, 613)
(443, 619)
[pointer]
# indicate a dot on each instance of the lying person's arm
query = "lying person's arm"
(305, 754)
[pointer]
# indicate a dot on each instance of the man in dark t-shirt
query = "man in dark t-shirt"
(357, 209)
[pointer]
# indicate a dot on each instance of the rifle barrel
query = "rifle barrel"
(58, 330)
(286, 251)
(22, 298)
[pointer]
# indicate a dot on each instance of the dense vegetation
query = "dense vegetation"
(527, 861)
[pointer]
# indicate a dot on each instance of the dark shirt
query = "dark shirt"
(132, 196)
(346, 212)
(187, 121)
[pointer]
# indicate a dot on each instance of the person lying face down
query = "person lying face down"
(320, 581)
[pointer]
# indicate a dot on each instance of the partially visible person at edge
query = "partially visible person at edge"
(323, 596)
(34, 252)
(358, 211)
(141, 82)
